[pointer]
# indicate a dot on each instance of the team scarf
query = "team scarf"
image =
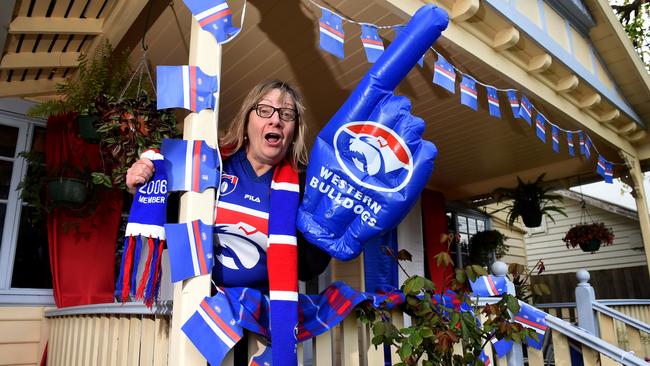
(145, 225)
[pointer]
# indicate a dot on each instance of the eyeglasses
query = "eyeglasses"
(266, 111)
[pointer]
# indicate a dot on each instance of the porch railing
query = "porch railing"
(109, 334)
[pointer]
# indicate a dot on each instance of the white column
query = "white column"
(585, 295)
(639, 194)
(516, 355)
(205, 52)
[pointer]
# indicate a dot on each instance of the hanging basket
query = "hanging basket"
(87, 129)
(532, 218)
(67, 191)
(590, 246)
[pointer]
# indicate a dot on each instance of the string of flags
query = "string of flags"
(332, 39)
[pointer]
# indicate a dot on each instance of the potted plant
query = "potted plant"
(483, 244)
(589, 237)
(128, 127)
(530, 201)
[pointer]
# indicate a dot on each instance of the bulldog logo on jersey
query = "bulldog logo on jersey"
(228, 184)
(370, 149)
(239, 245)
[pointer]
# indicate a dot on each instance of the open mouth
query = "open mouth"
(272, 137)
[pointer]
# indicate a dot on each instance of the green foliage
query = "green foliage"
(32, 187)
(483, 243)
(634, 15)
(437, 325)
(529, 198)
(521, 278)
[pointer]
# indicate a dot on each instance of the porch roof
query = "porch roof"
(477, 153)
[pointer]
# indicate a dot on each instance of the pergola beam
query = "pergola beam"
(29, 60)
(43, 25)
(29, 88)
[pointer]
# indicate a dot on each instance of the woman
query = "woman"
(267, 131)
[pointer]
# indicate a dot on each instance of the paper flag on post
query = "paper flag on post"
(514, 102)
(540, 127)
(444, 74)
(526, 110)
(185, 87)
(212, 328)
(371, 42)
(190, 249)
(489, 286)
(531, 317)
(569, 139)
(398, 29)
(493, 101)
(191, 165)
(485, 359)
(501, 346)
(468, 94)
(213, 16)
(555, 135)
(331, 33)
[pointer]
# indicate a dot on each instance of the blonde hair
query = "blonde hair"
(234, 138)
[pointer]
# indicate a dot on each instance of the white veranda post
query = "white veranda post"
(205, 53)
(639, 193)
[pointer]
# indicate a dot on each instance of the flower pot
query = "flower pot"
(590, 246)
(87, 129)
(532, 218)
(67, 191)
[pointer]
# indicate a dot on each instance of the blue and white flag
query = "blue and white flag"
(514, 102)
(581, 138)
(398, 29)
(190, 249)
(185, 87)
(213, 329)
(501, 346)
(555, 135)
(605, 169)
(331, 33)
(569, 139)
(213, 16)
(531, 317)
(489, 286)
(540, 127)
(468, 94)
(485, 359)
(372, 43)
(444, 74)
(191, 165)
(588, 146)
(493, 101)
(526, 110)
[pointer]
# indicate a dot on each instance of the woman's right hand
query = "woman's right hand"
(139, 173)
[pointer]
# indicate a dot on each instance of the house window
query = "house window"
(25, 275)
(464, 224)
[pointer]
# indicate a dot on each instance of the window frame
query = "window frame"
(8, 294)
(468, 214)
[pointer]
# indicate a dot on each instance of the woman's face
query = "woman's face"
(269, 138)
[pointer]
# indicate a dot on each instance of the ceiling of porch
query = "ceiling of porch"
(477, 153)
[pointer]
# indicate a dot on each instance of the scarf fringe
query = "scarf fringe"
(125, 270)
(145, 273)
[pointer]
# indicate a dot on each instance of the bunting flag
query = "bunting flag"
(331, 33)
(398, 29)
(588, 147)
(605, 169)
(190, 249)
(526, 110)
(555, 135)
(540, 127)
(581, 138)
(192, 163)
(533, 318)
(444, 74)
(569, 139)
(371, 42)
(212, 328)
(489, 286)
(468, 93)
(514, 102)
(609, 172)
(493, 101)
(185, 87)
(213, 16)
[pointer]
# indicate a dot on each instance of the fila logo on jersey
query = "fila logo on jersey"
(250, 197)
(368, 148)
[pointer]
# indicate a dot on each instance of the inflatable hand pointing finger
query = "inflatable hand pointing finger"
(369, 164)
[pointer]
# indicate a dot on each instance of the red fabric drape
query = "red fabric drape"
(434, 223)
(81, 242)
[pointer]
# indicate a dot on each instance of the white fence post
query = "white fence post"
(516, 356)
(585, 295)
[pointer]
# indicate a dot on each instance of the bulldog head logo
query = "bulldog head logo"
(368, 149)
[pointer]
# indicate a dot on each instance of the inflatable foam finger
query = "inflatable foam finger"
(369, 164)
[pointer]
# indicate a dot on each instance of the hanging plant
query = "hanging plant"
(530, 201)
(483, 244)
(128, 127)
(589, 237)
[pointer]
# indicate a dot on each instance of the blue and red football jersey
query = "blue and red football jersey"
(241, 225)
